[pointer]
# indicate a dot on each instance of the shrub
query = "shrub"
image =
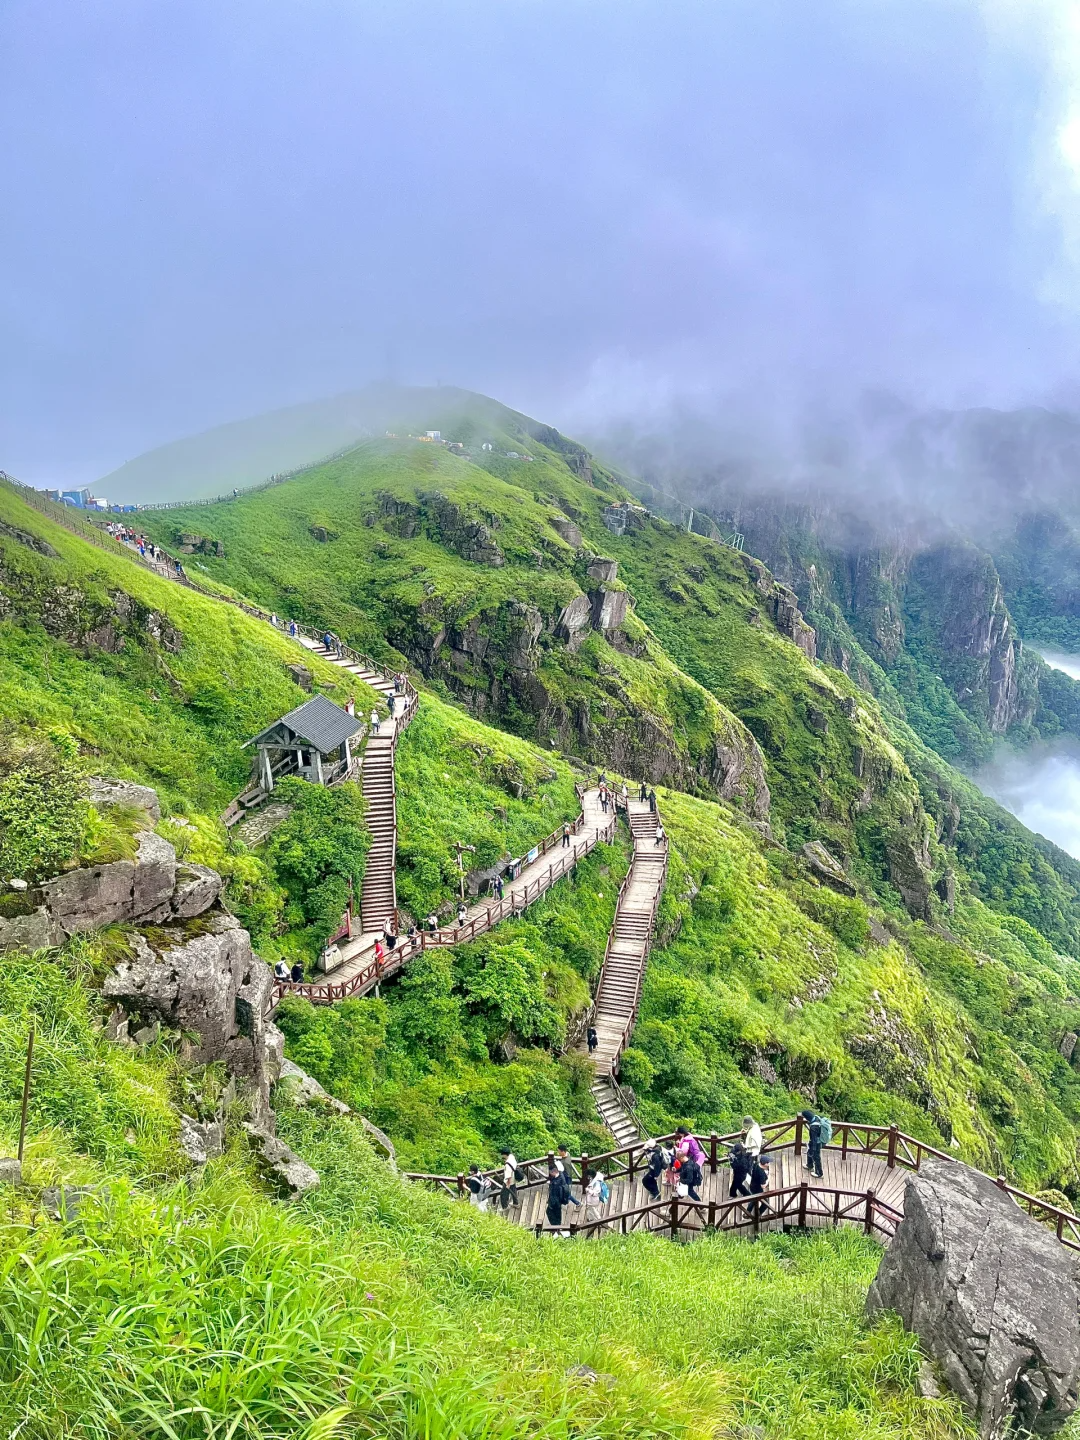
(43, 807)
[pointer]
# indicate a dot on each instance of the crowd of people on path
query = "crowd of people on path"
(674, 1170)
(137, 540)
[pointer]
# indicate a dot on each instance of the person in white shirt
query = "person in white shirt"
(752, 1136)
(594, 1197)
(509, 1190)
(374, 722)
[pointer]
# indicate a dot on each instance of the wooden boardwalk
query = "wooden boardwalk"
(851, 1176)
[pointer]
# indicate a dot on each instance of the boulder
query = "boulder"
(993, 1296)
(34, 931)
(197, 888)
(1067, 1047)
(105, 792)
(567, 530)
(201, 1140)
(211, 986)
(10, 1172)
(601, 569)
(290, 1176)
(63, 1202)
(574, 621)
(95, 895)
(908, 871)
(609, 609)
(826, 868)
(299, 1088)
(301, 675)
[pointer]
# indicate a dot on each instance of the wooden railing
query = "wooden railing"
(799, 1205)
(372, 971)
(883, 1142)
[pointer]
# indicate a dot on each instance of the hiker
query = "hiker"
(327, 640)
(511, 1176)
(752, 1136)
(556, 1196)
(592, 1039)
(432, 924)
(813, 1148)
(462, 913)
(390, 936)
(742, 1162)
(566, 835)
(296, 974)
(273, 619)
(497, 886)
(597, 1193)
(688, 1146)
(281, 971)
(690, 1174)
(651, 1179)
(624, 796)
(759, 1183)
(350, 705)
(379, 952)
(374, 722)
(390, 705)
(652, 801)
(563, 1163)
(643, 794)
(292, 629)
(479, 1189)
(659, 833)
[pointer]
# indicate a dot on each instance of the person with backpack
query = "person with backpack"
(688, 1145)
(592, 1039)
(566, 835)
(511, 1175)
(742, 1162)
(752, 1136)
(690, 1176)
(813, 1147)
(651, 1178)
(597, 1194)
(479, 1189)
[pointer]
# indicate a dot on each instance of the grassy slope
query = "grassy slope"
(382, 590)
(203, 1309)
(175, 721)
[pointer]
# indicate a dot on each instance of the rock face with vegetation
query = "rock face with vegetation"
(991, 1294)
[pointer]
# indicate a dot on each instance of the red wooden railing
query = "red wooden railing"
(327, 992)
(883, 1142)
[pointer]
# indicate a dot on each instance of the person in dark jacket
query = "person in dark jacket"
(297, 973)
(651, 1179)
(813, 1148)
(652, 801)
(759, 1183)
(562, 1163)
(643, 793)
(690, 1175)
(556, 1190)
(592, 1038)
(742, 1162)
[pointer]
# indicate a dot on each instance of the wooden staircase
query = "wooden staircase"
(616, 1115)
(628, 945)
(378, 898)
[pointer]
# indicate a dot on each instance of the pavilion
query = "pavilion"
(312, 741)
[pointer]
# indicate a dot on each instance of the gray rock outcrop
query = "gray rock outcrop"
(992, 1295)
(212, 987)
(302, 1089)
(96, 895)
(197, 888)
(826, 867)
(104, 792)
(201, 1140)
(282, 1167)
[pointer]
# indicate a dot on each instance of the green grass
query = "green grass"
(185, 1308)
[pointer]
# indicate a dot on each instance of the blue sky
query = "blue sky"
(585, 209)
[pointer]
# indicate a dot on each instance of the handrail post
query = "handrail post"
(630, 1166)
(674, 1218)
(584, 1171)
(868, 1223)
(891, 1161)
(798, 1133)
(461, 1186)
(803, 1191)
(713, 1143)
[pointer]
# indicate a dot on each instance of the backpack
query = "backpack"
(519, 1174)
(605, 1192)
(826, 1129)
